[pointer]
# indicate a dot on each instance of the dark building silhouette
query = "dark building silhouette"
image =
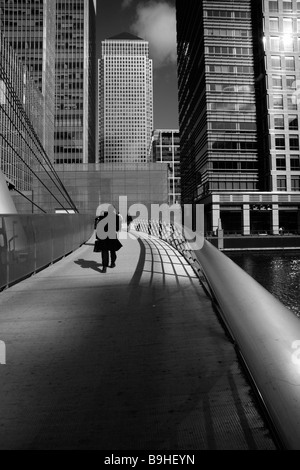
(238, 112)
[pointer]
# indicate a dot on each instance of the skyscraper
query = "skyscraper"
(75, 79)
(280, 22)
(55, 40)
(21, 133)
(21, 106)
(125, 100)
(166, 149)
(237, 68)
(29, 26)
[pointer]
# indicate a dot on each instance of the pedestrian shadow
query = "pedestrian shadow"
(84, 264)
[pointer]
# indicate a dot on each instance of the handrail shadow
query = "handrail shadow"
(265, 332)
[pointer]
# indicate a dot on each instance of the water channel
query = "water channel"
(278, 272)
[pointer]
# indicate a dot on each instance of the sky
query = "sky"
(153, 21)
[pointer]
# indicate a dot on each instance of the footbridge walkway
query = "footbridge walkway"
(136, 358)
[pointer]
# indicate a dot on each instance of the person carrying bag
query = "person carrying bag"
(107, 225)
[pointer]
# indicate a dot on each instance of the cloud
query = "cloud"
(156, 22)
(126, 3)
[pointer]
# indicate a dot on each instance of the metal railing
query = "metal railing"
(266, 334)
(253, 233)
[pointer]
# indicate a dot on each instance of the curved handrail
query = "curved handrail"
(265, 331)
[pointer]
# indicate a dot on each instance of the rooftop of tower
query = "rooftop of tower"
(126, 36)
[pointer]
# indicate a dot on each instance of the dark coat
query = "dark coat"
(107, 244)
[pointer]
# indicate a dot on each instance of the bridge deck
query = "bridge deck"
(134, 359)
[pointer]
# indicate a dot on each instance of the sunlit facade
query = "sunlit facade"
(21, 105)
(281, 24)
(166, 149)
(74, 82)
(29, 26)
(55, 39)
(125, 100)
(238, 63)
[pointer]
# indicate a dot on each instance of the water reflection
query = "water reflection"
(279, 273)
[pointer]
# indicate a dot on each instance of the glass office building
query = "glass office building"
(166, 149)
(29, 26)
(125, 100)
(237, 67)
(21, 131)
(55, 40)
(90, 185)
(75, 82)
(21, 105)
(281, 22)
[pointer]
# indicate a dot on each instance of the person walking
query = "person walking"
(129, 220)
(107, 225)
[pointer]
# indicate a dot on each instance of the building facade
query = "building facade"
(29, 26)
(21, 130)
(281, 29)
(166, 149)
(74, 139)
(90, 185)
(125, 100)
(237, 68)
(21, 105)
(55, 40)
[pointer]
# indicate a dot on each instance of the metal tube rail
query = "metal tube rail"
(266, 333)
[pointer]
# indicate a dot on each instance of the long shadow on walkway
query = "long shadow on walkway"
(131, 360)
(88, 264)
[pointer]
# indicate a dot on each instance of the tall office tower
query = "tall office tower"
(55, 40)
(279, 108)
(125, 100)
(237, 66)
(29, 26)
(21, 105)
(74, 74)
(166, 149)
